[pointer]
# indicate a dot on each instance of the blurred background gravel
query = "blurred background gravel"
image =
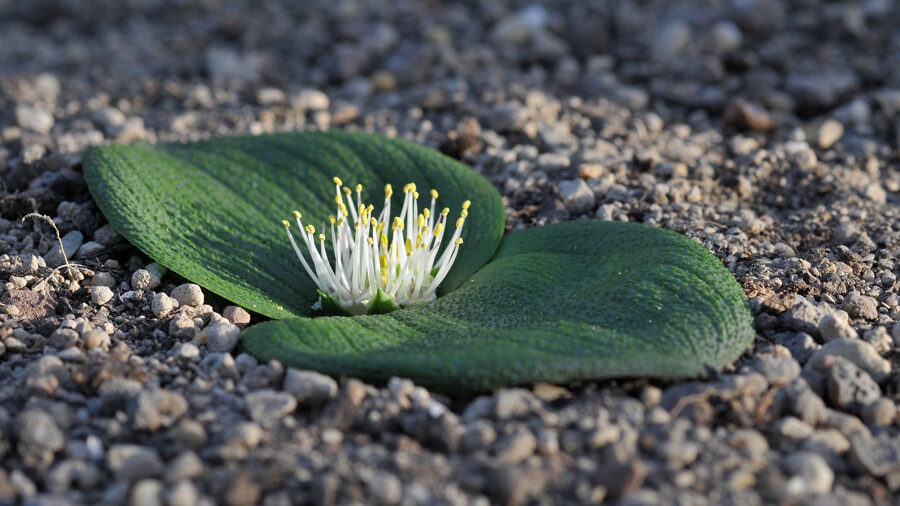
(767, 130)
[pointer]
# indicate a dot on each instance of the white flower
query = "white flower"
(405, 267)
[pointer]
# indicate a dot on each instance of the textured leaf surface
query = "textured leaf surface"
(578, 300)
(211, 211)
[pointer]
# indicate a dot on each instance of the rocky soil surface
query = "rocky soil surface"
(767, 130)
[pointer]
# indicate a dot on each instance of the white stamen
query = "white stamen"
(396, 255)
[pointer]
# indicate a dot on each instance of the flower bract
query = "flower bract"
(378, 262)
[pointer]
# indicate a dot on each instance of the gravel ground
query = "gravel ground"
(767, 130)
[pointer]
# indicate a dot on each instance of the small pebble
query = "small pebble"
(100, 295)
(188, 294)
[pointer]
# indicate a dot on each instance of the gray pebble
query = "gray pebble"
(132, 462)
(861, 306)
(881, 413)
(188, 351)
(835, 326)
(726, 36)
(71, 242)
(103, 279)
(142, 279)
(879, 338)
(182, 327)
(188, 294)
(147, 492)
(801, 155)
(35, 119)
(849, 387)
(236, 315)
(39, 435)
(876, 456)
(516, 447)
(310, 99)
(507, 118)
(812, 469)
(90, 249)
(478, 436)
(107, 235)
(671, 41)
(793, 429)
(514, 402)
(100, 295)
(859, 352)
(846, 233)
(777, 370)
(801, 345)
(183, 493)
(63, 338)
(804, 316)
(309, 388)
(268, 406)
(162, 305)
(158, 408)
(222, 336)
(385, 488)
(185, 466)
(68, 473)
(829, 132)
(577, 196)
(96, 338)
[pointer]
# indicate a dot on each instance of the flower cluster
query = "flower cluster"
(402, 263)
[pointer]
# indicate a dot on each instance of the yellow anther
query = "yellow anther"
(466, 204)
(297, 215)
(337, 198)
(438, 229)
(346, 190)
(337, 181)
(388, 190)
(459, 241)
(408, 247)
(426, 212)
(361, 209)
(343, 208)
(370, 241)
(412, 187)
(415, 195)
(373, 222)
(310, 229)
(358, 188)
(286, 223)
(459, 222)
(384, 240)
(332, 219)
(321, 237)
(434, 194)
(421, 220)
(406, 188)
(340, 221)
(464, 213)
(445, 211)
(418, 241)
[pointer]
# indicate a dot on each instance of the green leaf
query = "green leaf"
(578, 300)
(211, 211)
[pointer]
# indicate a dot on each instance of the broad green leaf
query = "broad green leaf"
(211, 211)
(578, 300)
